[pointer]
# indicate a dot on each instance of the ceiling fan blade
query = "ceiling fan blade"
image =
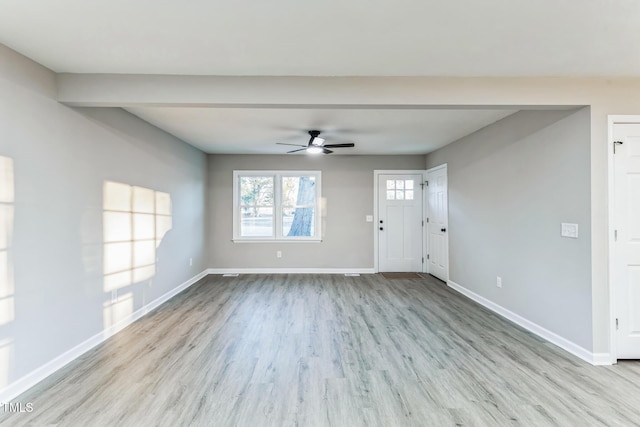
(295, 151)
(345, 145)
(325, 151)
(295, 145)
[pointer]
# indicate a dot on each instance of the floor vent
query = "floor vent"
(230, 275)
(352, 274)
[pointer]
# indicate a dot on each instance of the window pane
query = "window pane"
(399, 184)
(256, 190)
(408, 184)
(256, 222)
(391, 195)
(298, 222)
(408, 194)
(391, 184)
(298, 191)
(400, 195)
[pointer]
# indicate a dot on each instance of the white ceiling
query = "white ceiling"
(326, 38)
(374, 131)
(329, 37)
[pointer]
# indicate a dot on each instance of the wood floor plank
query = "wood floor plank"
(329, 350)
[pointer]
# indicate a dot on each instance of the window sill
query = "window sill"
(276, 240)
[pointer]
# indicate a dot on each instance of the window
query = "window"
(276, 205)
(398, 189)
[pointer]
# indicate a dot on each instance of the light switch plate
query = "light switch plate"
(569, 230)
(369, 218)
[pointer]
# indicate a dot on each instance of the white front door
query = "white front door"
(437, 223)
(626, 268)
(400, 223)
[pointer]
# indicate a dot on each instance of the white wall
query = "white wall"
(61, 157)
(511, 185)
(347, 188)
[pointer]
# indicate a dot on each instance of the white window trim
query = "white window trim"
(277, 208)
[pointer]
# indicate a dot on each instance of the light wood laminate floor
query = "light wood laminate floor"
(329, 350)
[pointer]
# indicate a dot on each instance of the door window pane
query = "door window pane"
(391, 184)
(399, 195)
(408, 194)
(408, 184)
(391, 195)
(399, 184)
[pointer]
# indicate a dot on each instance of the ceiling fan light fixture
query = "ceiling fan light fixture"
(316, 145)
(314, 150)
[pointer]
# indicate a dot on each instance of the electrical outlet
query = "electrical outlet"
(278, 254)
(499, 281)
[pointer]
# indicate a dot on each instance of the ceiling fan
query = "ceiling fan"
(317, 145)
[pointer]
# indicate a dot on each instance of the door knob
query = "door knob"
(380, 221)
(443, 230)
(381, 228)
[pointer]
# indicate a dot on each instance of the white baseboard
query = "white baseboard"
(552, 337)
(602, 359)
(267, 270)
(23, 384)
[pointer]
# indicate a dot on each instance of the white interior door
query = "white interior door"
(400, 223)
(626, 268)
(437, 223)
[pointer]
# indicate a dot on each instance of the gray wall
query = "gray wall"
(347, 187)
(511, 184)
(61, 159)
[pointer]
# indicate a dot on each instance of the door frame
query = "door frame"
(376, 181)
(446, 171)
(612, 121)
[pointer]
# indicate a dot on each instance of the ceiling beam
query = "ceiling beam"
(123, 90)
